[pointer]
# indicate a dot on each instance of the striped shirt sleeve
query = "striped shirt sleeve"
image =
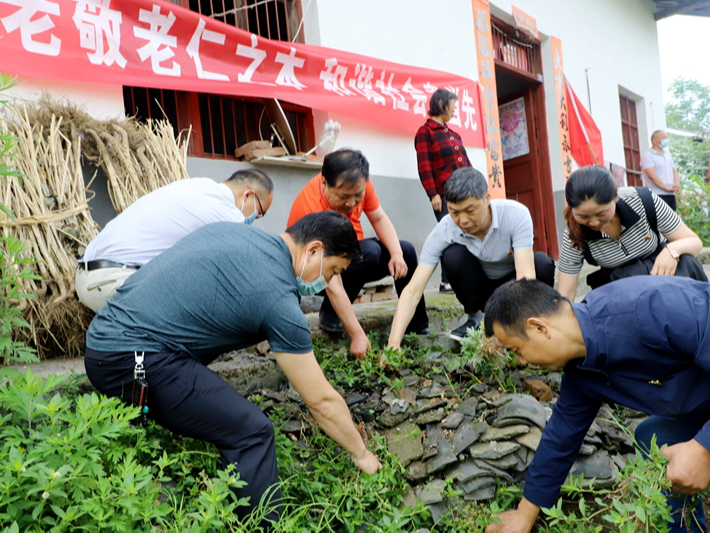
(571, 259)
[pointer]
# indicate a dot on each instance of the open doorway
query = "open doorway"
(521, 106)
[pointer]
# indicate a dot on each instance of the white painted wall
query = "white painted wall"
(99, 100)
(617, 42)
(437, 35)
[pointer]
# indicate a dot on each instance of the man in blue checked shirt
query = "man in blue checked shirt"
(642, 342)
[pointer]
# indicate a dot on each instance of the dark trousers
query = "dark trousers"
(374, 266)
(669, 199)
(439, 215)
(670, 430)
(470, 283)
(188, 398)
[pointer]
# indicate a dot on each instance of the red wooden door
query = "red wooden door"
(523, 175)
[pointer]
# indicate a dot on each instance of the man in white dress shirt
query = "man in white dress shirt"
(158, 220)
(658, 170)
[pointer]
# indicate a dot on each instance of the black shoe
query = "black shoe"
(421, 331)
(445, 287)
(329, 322)
(474, 321)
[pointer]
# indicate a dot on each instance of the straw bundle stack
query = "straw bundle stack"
(50, 202)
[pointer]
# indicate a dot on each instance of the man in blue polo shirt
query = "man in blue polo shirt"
(223, 287)
(642, 342)
(481, 243)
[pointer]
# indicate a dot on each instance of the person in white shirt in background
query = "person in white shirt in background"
(658, 170)
(158, 220)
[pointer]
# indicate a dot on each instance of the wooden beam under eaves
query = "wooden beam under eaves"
(680, 8)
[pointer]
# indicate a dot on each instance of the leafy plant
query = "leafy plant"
(15, 265)
(694, 206)
(330, 495)
(473, 517)
(635, 504)
(485, 356)
(70, 464)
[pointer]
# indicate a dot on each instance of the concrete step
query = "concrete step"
(445, 313)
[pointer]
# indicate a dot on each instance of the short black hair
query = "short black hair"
(253, 177)
(346, 163)
(515, 301)
(465, 183)
(334, 230)
(439, 101)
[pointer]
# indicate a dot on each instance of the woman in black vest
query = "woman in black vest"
(627, 231)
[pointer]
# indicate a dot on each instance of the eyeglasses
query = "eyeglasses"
(261, 212)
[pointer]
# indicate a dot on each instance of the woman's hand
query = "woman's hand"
(436, 202)
(665, 264)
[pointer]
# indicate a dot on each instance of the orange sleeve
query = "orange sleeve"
(298, 209)
(307, 201)
(371, 202)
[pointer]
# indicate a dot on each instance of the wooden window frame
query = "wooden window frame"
(630, 138)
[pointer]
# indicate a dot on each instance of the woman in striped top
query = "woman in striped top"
(611, 228)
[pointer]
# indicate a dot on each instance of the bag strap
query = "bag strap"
(649, 207)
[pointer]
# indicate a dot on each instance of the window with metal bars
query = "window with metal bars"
(222, 123)
(515, 49)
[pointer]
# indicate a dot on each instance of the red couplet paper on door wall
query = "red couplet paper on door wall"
(154, 43)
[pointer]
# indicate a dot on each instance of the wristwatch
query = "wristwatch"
(675, 255)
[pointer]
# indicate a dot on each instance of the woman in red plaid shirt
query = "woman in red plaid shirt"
(440, 151)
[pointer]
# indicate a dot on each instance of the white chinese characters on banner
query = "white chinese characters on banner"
(469, 110)
(398, 101)
(418, 96)
(334, 78)
(29, 28)
(287, 74)
(193, 50)
(117, 35)
(362, 83)
(157, 36)
(97, 22)
(257, 57)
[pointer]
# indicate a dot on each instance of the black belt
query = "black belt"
(103, 263)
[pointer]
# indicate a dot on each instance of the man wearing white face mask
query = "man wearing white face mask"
(222, 288)
(658, 170)
(158, 220)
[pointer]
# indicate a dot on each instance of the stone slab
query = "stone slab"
(405, 442)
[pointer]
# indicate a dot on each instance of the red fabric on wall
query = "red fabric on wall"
(584, 135)
(154, 43)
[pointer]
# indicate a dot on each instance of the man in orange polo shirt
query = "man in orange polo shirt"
(344, 185)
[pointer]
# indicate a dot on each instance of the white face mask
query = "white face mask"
(314, 287)
(251, 218)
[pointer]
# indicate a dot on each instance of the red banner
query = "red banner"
(154, 43)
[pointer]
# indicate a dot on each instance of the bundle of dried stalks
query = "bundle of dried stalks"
(50, 200)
